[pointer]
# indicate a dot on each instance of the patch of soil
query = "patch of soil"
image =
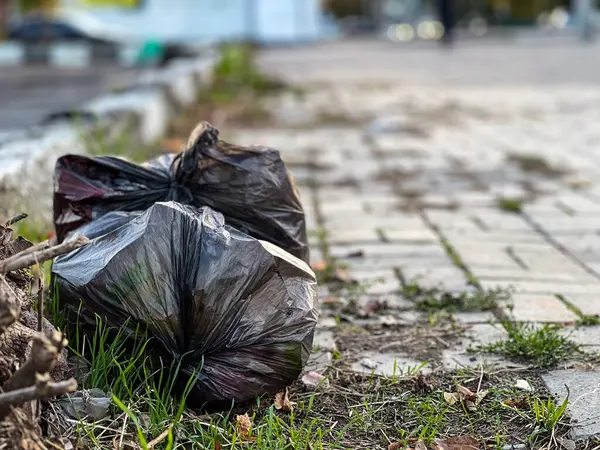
(370, 412)
(422, 343)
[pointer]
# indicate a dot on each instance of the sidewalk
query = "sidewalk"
(446, 208)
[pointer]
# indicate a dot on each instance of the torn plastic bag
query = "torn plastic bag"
(238, 313)
(249, 185)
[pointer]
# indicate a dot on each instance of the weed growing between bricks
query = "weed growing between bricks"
(435, 299)
(542, 346)
(510, 205)
(583, 319)
(535, 164)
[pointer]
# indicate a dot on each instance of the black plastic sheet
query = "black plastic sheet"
(249, 185)
(238, 313)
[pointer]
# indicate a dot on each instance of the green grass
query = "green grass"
(433, 300)
(236, 74)
(534, 164)
(511, 205)
(582, 319)
(542, 346)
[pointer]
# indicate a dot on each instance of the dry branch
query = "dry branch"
(37, 354)
(43, 389)
(45, 351)
(19, 261)
(9, 305)
(15, 219)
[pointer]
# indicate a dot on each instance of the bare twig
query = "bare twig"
(45, 351)
(161, 437)
(15, 219)
(29, 259)
(42, 389)
(40, 300)
(9, 305)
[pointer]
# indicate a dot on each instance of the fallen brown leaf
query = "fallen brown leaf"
(173, 145)
(451, 398)
(282, 402)
(343, 276)
(466, 394)
(243, 425)
(217, 445)
(472, 405)
(321, 265)
(330, 300)
(458, 443)
(395, 446)
(516, 403)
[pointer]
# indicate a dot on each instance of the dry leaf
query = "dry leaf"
(330, 300)
(343, 276)
(173, 145)
(420, 445)
(466, 394)
(243, 425)
(480, 396)
(516, 403)
(470, 405)
(458, 443)
(319, 266)
(313, 379)
(282, 402)
(451, 398)
(395, 446)
(217, 445)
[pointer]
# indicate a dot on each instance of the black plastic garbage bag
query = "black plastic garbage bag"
(249, 185)
(236, 312)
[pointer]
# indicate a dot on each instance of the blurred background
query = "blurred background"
(55, 54)
(264, 20)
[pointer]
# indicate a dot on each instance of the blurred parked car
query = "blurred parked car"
(74, 26)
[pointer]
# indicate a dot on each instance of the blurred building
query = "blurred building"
(211, 20)
(497, 12)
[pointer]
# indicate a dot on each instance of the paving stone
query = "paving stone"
(535, 287)
(324, 340)
(495, 274)
(318, 362)
(583, 389)
(460, 237)
(587, 303)
(386, 364)
(453, 359)
(540, 308)
(417, 235)
(326, 322)
(587, 336)
(484, 334)
(474, 317)
(339, 235)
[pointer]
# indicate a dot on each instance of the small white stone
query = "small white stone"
(524, 385)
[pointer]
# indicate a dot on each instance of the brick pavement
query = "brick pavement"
(401, 172)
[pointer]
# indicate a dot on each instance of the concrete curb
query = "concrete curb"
(28, 157)
(66, 54)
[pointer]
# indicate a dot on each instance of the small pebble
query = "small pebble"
(524, 385)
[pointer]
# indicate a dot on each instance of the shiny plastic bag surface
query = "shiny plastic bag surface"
(249, 185)
(239, 314)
